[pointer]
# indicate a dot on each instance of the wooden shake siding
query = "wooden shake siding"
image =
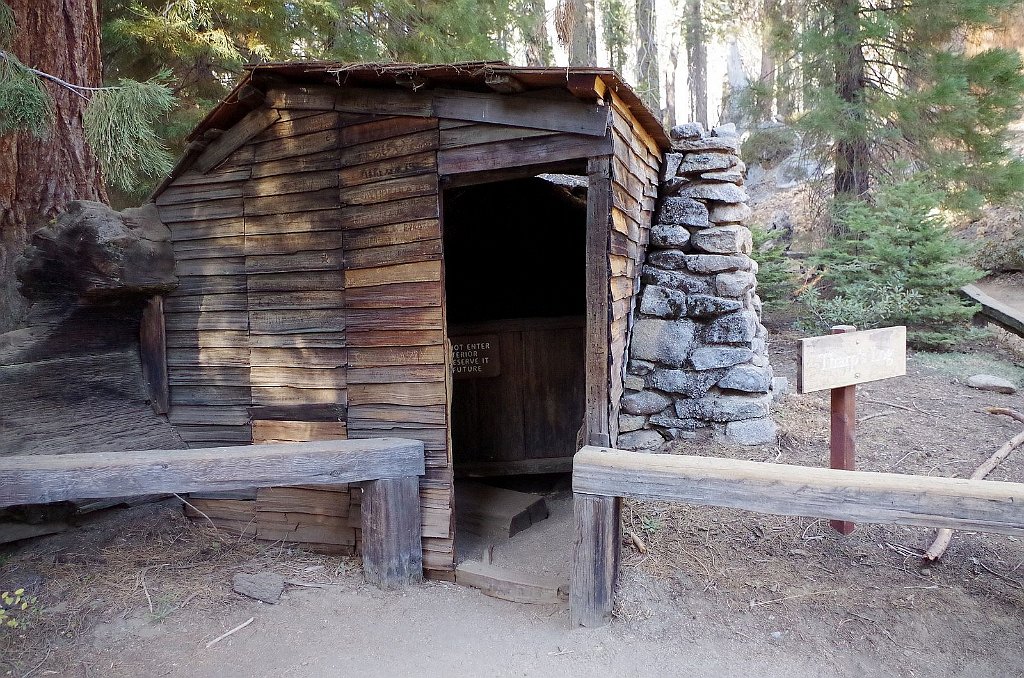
(635, 170)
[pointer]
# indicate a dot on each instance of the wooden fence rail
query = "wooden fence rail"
(601, 476)
(387, 468)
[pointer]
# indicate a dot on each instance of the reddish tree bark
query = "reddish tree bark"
(38, 177)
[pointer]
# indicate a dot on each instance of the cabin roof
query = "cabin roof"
(585, 83)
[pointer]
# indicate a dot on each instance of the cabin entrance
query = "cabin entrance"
(515, 286)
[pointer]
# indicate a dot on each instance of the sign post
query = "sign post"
(839, 362)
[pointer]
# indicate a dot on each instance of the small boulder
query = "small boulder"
(705, 162)
(666, 342)
(670, 235)
(990, 382)
(639, 440)
(761, 431)
(663, 302)
(734, 328)
(706, 305)
(265, 586)
(747, 378)
(631, 422)
(712, 357)
(644, 403)
(729, 193)
(730, 213)
(717, 263)
(683, 212)
(735, 284)
(687, 130)
(723, 240)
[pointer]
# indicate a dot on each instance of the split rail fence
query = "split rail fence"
(387, 468)
(602, 476)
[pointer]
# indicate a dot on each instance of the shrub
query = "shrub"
(775, 284)
(769, 146)
(896, 263)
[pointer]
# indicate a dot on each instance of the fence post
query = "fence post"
(595, 559)
(392, 547)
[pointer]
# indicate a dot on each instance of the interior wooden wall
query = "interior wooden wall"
(311, 303)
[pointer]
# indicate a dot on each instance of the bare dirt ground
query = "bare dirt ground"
(719, 592)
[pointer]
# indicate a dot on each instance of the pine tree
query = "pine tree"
(891, 94)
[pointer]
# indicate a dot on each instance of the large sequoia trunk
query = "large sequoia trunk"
(39, 177)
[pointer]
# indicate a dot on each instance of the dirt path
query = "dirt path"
(719, 593)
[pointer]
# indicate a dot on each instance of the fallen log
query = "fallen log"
(944, 536)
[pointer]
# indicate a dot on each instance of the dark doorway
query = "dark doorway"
(515, 281)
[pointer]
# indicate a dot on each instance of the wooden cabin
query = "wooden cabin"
(367, 250)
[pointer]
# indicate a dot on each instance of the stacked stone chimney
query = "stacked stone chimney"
(698, 355)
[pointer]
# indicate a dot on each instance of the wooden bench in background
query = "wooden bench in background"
(387, 468)
(602, 476)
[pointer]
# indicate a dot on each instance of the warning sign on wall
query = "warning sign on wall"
(475, 357)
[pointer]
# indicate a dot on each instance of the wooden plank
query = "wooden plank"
(487, 510)
(561, 116)
(595, 559)
(302, 500)
(397, 212)
(209, 395)
(379, 129)
(303, 321)
(207, 320)
(384, 102)
(397, 414)
(236, 415)
(296, 182)
(209, 267)
(389, 190)
(385, 149)
(266, 430)
(320, 299)
(392, 547)
(209, 376)
(306, 144)
(398, 295)
(234, 138)
(205, 229)
(398, 319)
(472, 135)
(390, 168)
(203, 339)
(299, 340)
(153, 354)
(597, 291)
(308, 162)
(183, 195)
(395, 338)
(294, 222)
(509, 584)
(304, 528)
(290, 124)
(514, 153)
(193, 178)
(836, 360)
(312, 281)
(206, 211)
(326, 198)
(205, 435)
(297, 262)
(1002, 314)
(306, 412)
(396, 355)
(299, 377)
(427, 271)
(397, 394)
(297, 357)
(302, 98)
(396, 373)
(291, 243)
(37, 479)
(210, 248)
(288, 395)
(783, 489)
(401, 233)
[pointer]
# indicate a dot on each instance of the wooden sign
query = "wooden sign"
(475, 357)
(850, 358)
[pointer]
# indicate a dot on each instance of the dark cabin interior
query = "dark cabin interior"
(515, 302)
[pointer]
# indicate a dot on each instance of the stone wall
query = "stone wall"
(698, 354)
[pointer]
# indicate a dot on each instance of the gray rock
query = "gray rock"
(683, 433)
(758, 346)
(730, 213)
(747, 378)
(644, 402)
(663, 302)
(711, 357)
(639, 367)
(631, 422)
(671, 165)
(726, 130)
(689, 383)
(676, 423)
(713, 191)
(683, 212)
(707, 305)
(717, 263)
(727, 144)
(640, 440)
(673, 260)
(780, 388)
(677, 280)
(759, 361)
(705, 162)
(735, 328)
(733, 407)
(761, 431)
(734, 284)
(687, 130)
(990, 382)
(670, 235)
(723, 240)
(265, 586)
(666, 342)
(732, 176)
(633, 382)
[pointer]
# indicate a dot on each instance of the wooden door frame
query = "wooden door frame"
(597, 352)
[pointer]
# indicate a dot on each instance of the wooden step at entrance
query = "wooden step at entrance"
(487, 510)
(511, 585)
